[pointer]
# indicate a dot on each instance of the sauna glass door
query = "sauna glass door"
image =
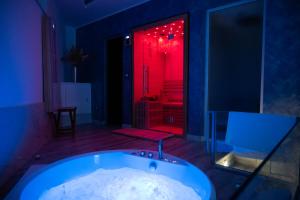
(158, 77)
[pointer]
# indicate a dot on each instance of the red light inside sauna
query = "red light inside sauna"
(158, 77)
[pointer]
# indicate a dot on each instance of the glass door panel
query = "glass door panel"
(158, 77)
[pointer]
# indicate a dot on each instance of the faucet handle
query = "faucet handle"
(160, 149)
(161, 142)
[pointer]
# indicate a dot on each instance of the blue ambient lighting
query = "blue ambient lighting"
(134, 178)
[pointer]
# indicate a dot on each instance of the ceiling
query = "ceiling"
(76, 14)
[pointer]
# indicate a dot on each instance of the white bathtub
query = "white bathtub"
(73, 167)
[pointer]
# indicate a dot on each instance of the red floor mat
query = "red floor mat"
(142, 133)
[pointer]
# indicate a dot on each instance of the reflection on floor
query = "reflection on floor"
(240, 162)
(168, 129)
(144, 134)
(91, 138)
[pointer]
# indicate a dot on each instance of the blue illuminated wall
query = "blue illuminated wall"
(20, 53)
(24, 124)
(20, 83)
(282, 69)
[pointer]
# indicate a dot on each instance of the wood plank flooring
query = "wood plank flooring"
(91, 138)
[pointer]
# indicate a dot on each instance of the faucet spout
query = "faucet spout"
(160, 149)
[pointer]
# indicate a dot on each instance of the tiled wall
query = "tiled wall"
(282, 58)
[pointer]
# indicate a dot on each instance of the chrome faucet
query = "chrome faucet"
(160, 149)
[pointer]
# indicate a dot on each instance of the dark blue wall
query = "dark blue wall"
(92, 38)
(282, 58)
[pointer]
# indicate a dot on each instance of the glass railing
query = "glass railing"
(277, 177)
(266, 148)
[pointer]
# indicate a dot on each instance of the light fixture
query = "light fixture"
(127, 40)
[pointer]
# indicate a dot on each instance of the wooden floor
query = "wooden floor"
(90, 138)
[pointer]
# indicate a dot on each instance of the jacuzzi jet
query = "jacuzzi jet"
(153, 166)
(96, 159)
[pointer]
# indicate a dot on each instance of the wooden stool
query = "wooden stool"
(72, 115)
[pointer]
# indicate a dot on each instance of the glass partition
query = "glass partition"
(159, 76)
(264, 147)
(278, 175)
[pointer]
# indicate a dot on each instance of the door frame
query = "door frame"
(207, 40)
(185, 17)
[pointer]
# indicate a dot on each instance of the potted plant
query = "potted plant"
(75, 57)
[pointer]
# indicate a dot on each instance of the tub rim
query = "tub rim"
(128, 151)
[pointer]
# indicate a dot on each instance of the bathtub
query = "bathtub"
(77, 166)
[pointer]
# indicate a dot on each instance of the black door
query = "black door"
(114, 81)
